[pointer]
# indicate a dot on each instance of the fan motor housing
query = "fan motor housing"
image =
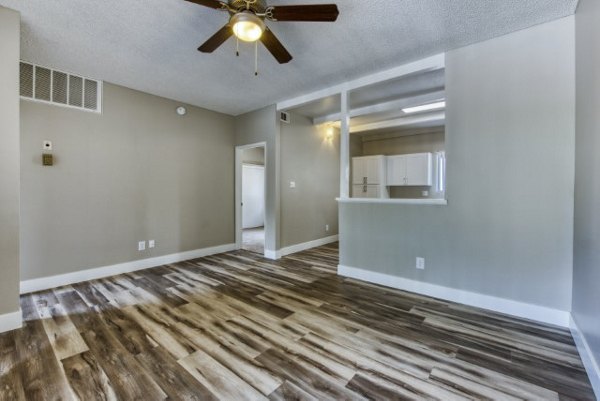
(258, 6)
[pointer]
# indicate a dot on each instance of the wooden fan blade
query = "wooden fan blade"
(274, 46)
(209, 3)
(317, 12)
(216, 40)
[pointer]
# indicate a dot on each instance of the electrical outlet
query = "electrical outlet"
(141, 245)
(151, 243)
(326, 227)
(292, 184)
(421, 263)
(425, 193)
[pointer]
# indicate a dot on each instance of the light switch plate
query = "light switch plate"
(141, 245)
(421, 263)
(151, 243)
(292, 184)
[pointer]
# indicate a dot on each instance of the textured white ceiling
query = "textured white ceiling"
(150, 45)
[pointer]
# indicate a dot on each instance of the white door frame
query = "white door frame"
(238, 190)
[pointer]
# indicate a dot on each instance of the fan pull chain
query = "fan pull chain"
(256, 58)
(237, 46)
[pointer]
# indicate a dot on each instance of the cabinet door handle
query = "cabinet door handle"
(364, 189)
(365, 180)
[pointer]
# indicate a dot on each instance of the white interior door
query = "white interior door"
(253, 196)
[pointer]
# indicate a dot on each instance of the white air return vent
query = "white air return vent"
(26, 80)
(43, 83)
(60, 88)
(90, 100)
(285, 117)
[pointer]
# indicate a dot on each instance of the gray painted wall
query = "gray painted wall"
(586, 263)
(263, 126)
(9, 160)
(136, 172)
(313, 163)
(508, 228)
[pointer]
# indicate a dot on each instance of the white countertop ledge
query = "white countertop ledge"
(438, 202)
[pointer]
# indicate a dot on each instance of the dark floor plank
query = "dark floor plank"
(11, 386)
(128, 378)
(175, 381)
(290, 392)
(87, 379)
(42, 376)
(309, 381)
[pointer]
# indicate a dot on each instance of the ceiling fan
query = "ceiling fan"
(247, 22)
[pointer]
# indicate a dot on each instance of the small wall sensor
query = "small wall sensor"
(47, 159)
(182, 111)
(47, 145)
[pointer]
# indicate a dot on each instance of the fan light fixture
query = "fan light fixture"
(247, 26)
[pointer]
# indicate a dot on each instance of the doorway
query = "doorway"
(250, 197)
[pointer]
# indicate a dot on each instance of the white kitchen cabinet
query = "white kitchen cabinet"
(369, 177)
(368, 191)
(396, 170)
(368, 170)
(409, 170)
(419, 169)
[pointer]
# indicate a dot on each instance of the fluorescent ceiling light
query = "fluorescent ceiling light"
(425, 107)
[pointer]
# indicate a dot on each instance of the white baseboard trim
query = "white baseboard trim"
(45, 283)
(590, 363)
(11, 321)
(275, 255)
(502, 305)
(308, 245)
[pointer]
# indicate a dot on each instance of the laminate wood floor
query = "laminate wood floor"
(238, 327)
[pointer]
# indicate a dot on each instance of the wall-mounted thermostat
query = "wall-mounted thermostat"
(47, 145)
(47, 159)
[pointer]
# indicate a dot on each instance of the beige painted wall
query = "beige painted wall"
(9, 160)
(254, 156)
(313, 163)
(136, 172)
(399, 145)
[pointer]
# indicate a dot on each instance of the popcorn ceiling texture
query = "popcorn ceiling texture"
(150, 45)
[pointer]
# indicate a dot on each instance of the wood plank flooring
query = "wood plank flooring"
(239, 327)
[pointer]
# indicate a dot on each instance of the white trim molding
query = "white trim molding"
(587, 357)
(11, 321)
(496, 304)
(395, 201)
(45, 283)
(275, 255)
(308, 245)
